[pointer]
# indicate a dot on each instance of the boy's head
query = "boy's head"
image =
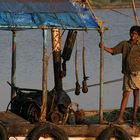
(136, 29)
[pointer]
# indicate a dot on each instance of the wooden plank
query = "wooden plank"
(94, 130)
(11, 118)
(17, 126)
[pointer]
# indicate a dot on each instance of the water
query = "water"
(29, 62)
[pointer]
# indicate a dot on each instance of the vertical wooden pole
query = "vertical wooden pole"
(134, 12)
(44, 78)
(101, 79)
(56, 47)
(13, 65)
(101, 31)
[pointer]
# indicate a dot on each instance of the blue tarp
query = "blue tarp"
(28, 14)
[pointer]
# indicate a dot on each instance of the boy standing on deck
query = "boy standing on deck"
(130, 51)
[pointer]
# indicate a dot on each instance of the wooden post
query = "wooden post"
(134, 12)
(101, 79)
(13, 65)
(44, 78)
(101, 30)
(56, 47)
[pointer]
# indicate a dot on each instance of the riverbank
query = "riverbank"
(114, 5)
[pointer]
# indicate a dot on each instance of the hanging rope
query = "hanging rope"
(85, 78)
(77, 89)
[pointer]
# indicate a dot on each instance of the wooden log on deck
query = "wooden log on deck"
(17, 126)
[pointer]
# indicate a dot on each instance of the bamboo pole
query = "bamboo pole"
(101, 30)
(13, 65)
(44, 78)
(101, 80)
(134, 12)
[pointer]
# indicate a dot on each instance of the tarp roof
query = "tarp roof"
(28, 14)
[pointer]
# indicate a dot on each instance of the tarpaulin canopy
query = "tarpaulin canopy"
(28, 14)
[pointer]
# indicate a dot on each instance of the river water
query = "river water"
(29, 62)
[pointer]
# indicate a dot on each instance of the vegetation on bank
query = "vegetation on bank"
(112, 1)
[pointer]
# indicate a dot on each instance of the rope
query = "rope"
(91, 9)
(83, 55)
(98, 20)
(97, 84)
(114, 10)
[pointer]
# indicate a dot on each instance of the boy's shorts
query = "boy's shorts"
(131, 81)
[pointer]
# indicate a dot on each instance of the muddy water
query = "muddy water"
(29, 61)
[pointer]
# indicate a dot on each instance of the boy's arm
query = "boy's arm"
(109, 50)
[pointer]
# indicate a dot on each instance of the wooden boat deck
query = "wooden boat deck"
(17, 126)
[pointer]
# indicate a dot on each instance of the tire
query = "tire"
(3, 133)
(47, 130)
(116, 132)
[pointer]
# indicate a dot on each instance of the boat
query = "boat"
(48, 114)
